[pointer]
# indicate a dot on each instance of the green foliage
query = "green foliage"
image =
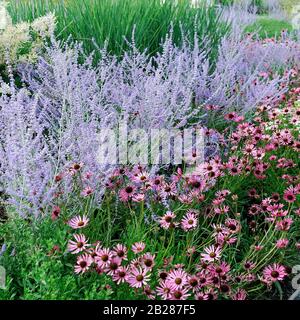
(35, 271)
(225, 2)
(103, 20)
(268, 28)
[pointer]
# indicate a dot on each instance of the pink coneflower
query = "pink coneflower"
(126, 193)
(87, 175)
(204, 278)
(77, 166)
(167, 220)
(189, 222)
(79, 245)
(219, 228)
(87, 192)
(138, 277)
(211, 294)
(136, 263)
(252, 193)
(273, 273)
(249, 265)
(289, 195)
(240, 294)
(138, 247)
(184, 198)
(141, 177)
(74, 168)
(218, 201)
(180, 294)
(201, 296)
(103, 256)
(193, 282)
(120, 251)
(284, 224)
(83, 263)
(113, 265)
(223, 193)
(121, 275)
(232, 116)
(78, 222)
(219, 269)
(234, 169)
(168, 189)
(233, 225)
(164, 290)
(156, 182)
(150, 294)
(148, 261)
(225, 288)
(275, 196)
(254, 210)
(282, 243)
(221, 210)
(55, 212)
(211, 254)
(177, 279)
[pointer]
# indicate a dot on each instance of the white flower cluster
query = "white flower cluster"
(22, 41)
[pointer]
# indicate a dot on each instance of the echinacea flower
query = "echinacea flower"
(141, 177)
(87, 192)
(189, 222)
(249, 265)
(167, 220)
(211, 254)
(201, 296)
(164, 290)
(55, 212)
(168, 189)
(113, 265)
(219, 269)
(273, 273)
(240, 294)
(138, 247)
(177, 279)
(78, 222)
(148, 261)
(233, 225)
(193, 282)
(83, 263)
(180, 294)
(121, 275)
(127, 193)
(79, 245)
(149, 292)
(120, 251)
(103, 257)
(138, 277)
(282, 243)
(289, 195)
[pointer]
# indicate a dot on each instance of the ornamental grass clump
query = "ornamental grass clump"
(98, 21)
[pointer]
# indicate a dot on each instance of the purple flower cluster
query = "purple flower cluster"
(54, 119)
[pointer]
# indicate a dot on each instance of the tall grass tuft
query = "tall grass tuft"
(112, 20)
